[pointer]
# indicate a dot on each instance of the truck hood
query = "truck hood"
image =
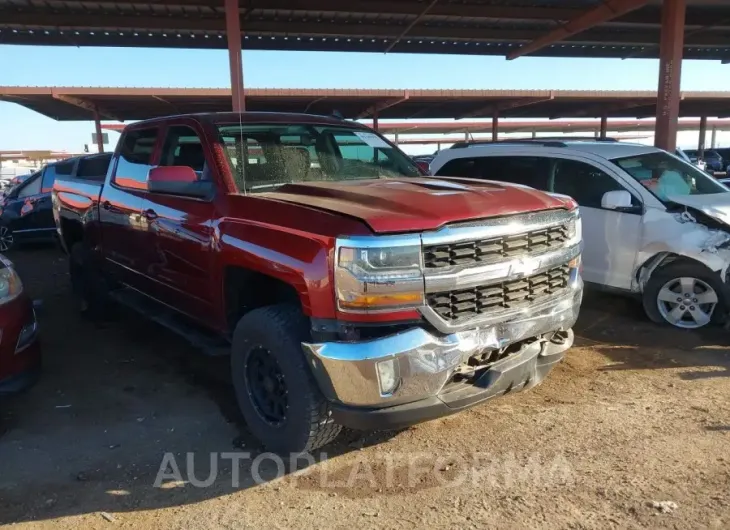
(415, 204)
(715, 205)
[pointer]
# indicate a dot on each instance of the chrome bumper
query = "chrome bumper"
(347, 371)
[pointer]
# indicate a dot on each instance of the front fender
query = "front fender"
(297, 258)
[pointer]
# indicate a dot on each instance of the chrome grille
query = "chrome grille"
(495, 249)
(509, 295)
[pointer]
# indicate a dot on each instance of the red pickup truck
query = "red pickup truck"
(350, 289)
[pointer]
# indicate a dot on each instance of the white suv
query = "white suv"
(653, 224)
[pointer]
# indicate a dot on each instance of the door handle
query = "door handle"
(150, 214)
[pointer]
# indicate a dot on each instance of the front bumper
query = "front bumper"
(347, 372)
(519, 371)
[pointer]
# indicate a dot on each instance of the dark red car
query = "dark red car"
(20, 354)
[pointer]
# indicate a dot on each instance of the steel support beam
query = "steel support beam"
(603, 12)
(598, 110)
(713, 142)
(604, 127)
(501, 106)
(410, 26)
(381, 106)
(495, 126)
(703, 136)
(376, 124)
(86, 105)
(99, 137)
(670, 72)
(235, 55)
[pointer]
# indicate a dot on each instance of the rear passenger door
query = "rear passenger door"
(611, 238)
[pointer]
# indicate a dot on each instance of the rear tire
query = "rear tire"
(88, 285)
(665, 301)
(275, 389)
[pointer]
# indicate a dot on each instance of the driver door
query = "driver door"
(610, 237)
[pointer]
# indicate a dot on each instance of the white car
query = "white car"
(653, 224)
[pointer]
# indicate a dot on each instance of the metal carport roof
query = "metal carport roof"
(485, 27)
(122, 104)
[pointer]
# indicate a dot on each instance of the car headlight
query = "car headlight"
(10, 284)
(379, 274)
(575, 230)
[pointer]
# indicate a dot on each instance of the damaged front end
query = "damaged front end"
(684, 232)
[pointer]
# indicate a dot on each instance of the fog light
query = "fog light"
(387, 376)
(27, 335)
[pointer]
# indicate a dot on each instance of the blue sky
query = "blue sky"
(66, 66)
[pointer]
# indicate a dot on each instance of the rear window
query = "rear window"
(94, 168)
(135, 158)
(530, 171)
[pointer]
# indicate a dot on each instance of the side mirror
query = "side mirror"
(178, 180)
(616, 200)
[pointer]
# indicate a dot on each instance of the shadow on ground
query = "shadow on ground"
(618, 328)
(113, 400)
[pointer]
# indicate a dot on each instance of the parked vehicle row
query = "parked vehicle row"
(26, 211)
(654, 225)
(349, 289)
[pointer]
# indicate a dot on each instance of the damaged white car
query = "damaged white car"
(653, 224)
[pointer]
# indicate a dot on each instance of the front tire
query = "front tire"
(685, 295)
(275, 389)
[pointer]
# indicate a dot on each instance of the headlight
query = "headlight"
(10, 284)
(575, 231)
(379, 278)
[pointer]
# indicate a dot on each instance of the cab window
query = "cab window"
(135, 158)
(183, 147)
(50, 173)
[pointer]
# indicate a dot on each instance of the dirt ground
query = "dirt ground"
(632, 430)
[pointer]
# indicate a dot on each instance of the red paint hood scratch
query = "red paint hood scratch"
(416, 204)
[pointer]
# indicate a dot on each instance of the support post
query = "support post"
(235, 57)
(376, 125)
(604, 127)
(703, 136)
(713, 142)
(534, 134)
(670, 71)
(438, 147)
(466, 136)
(495, 126)
(99, 137)
(396, 139)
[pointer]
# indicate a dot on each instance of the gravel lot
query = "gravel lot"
(632, 430)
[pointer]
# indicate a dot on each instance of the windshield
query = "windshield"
(274, 155)
(666, 176)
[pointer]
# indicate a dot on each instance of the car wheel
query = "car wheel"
(275, 389)
(7, 241)
(88, 285)
(685, 295)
